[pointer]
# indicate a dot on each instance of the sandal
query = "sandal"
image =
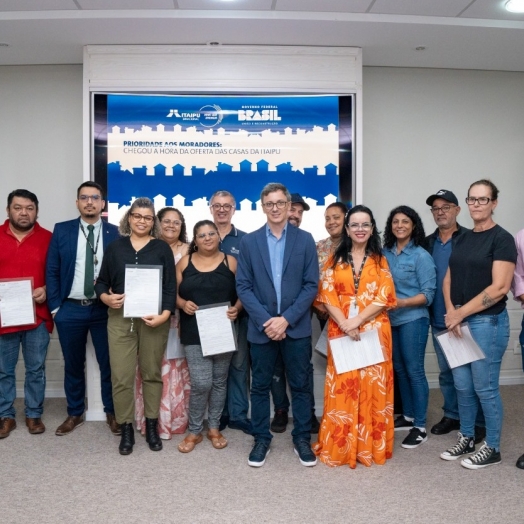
(189, 443)
(217, 439)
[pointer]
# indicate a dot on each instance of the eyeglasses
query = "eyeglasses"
(85, 198)
(444, 209)
(166, 222)
(148, 219)
(209, 234)
(225, 207)
(483, 201)
(270, 205)
(366, 226)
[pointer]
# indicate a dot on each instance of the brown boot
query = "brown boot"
(69, 424)
(35, 426)
(114, 426)
(6, 426)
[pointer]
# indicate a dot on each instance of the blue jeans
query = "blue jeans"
(73, 322)
(409, 348)
(34, 344)
(481, 378)
(237, 400)
(296, 354)
(447, 384)
(279, 386)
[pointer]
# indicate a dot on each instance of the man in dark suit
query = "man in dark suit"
(73, 262)
(277, 280)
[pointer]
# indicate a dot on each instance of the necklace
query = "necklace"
(93, 249)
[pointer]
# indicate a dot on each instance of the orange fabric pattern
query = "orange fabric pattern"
(357, 425)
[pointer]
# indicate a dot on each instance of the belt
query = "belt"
(84, 301)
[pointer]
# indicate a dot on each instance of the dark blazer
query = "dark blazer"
(299, 282)
(61, 258)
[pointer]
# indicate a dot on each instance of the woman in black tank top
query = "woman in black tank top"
(205, 276)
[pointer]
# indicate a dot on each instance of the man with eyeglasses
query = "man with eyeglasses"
(277, 281)
(222, 207)
(445, 209)
(279, 385)
(73, 263)
(23, 249)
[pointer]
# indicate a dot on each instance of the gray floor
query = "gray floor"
(81, 478)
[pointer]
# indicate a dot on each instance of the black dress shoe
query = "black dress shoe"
(152, 438)
(480, 434)
(127, 440)
(279, 422)
(315, 424)
(520, 462)
(445, 426)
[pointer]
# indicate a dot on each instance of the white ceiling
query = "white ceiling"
(463, 34)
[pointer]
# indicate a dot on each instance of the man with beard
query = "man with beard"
(73, 262)
(23, 250)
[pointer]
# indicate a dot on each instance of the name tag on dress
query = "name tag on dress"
(353, 309)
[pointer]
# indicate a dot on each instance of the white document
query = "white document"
(349, 354)
(459, 350)
(174, 348)
(322, 342)
(216, 331)
(143, 286)
(17, 307)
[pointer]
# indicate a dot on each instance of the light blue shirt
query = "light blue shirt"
(276, 248)
(413, 271)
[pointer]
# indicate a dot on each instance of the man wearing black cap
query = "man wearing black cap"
(445, 209)
(279, 386)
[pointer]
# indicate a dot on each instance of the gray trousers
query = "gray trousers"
(208, 387)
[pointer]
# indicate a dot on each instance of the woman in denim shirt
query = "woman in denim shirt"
(415, 280)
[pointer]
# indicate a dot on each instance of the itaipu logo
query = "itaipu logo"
(208, 115)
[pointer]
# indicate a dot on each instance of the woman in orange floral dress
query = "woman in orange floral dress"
(356, 290)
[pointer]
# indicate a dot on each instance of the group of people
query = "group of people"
(273, 280)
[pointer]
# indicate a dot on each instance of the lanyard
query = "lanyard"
(356, 278)
(95, 248)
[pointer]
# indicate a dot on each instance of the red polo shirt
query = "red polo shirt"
(26, 259)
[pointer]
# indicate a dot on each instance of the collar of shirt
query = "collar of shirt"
(96, 224)
(407, 249)
(270, 233)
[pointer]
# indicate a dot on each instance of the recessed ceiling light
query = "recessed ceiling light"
(515, 6)
(3, 44)
(420, 48)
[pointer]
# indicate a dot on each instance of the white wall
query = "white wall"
(431, 129)
(423, 130)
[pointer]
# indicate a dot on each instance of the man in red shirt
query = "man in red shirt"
(23, 250)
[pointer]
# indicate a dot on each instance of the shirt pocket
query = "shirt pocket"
(406, 273)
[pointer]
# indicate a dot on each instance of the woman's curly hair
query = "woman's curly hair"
(418, 235)
(125, 229)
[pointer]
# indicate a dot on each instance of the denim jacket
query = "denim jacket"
(413, 272)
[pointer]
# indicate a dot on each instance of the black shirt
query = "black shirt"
(203, 288)
(471, 264)
(121, 252)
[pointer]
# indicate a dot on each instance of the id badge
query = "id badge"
(353, 309)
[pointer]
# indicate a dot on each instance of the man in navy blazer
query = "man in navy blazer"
(277, 281)
(74, 259)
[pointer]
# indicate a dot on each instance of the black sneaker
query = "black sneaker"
(480, 434)
(315, 424)
(279, 422)
(224, 421)
(401, 423)
(445, 426)
(414, 439)
(483, 458)
(305, 453)
(464, 446)
(257, 457)
(242, 425)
